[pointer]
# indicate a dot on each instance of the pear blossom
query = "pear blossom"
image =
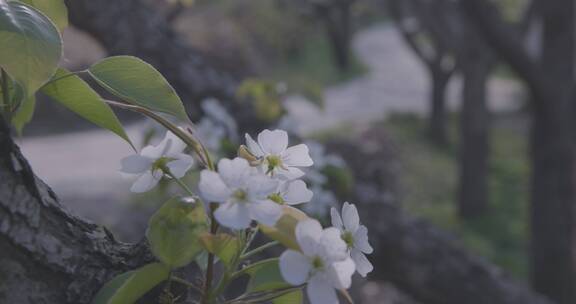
(241, 192)
(323, 262)
(292, 192)
(277, 159)
(149, 166)
(354, 235)
(210, 133)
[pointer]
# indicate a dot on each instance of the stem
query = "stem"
(210, 267)
(246, 298)
(5, 95)
(186, 283)
(62, 77)
(180, 183)
(259, 249)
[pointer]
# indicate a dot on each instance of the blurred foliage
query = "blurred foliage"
(429, 181)
(512, 10)
(272, 39)
(264, 95)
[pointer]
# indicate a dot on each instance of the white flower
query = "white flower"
(148, 167)
(354, 235)
(292, 193)
(214, 110)
(243, 195)
(324, 262)
(276, 157)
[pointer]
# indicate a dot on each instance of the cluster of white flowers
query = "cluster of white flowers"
(253, 189)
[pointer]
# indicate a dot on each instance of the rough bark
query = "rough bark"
(553, 270)
(421, 260)
(49, 255)
(437, 117)
(553, 231)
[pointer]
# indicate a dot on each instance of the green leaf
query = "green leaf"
(137, 82)
(130, 286)
(224, 246)
(72, 92)
(173, 232)
(54, 9)
(24, 114)
(293, 297)
(265, 275)
(31, 46)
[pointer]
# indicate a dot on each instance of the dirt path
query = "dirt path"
(396, 82)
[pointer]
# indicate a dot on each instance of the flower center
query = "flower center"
(274, 162)
(317, 263)
(348, 238)
(240, 195)
(276, 198)
(160, 164)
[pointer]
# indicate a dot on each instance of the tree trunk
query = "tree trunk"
(49, 255)
(437, 118)
(553, 265)
(337, 23)
(474, 140)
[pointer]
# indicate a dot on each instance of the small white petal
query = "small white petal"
(260, 186)
(273, 142)
(212, 187)
(308, 233)
(266, 212)
(146, 182)
(340, 273)
(153, 152)
(134, 164)
(181, 165)
(253, 146)
(297, 193)
(176, 145)
(336, 219)
(233, 215)
(333, 247)
(361, 240)
(350, 217)
(297, 156)
(363, 265)
(234, 172)
(290, 173)
(294, 267)
(320, 291)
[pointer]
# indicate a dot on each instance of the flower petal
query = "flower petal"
(146, 181)
(340, 273)
(320, 291)
(260, 186)
(363, 265)
(212, 187)
(294, 267)
(253, 146)
(350, 217)
(234, 172)
(361, 240)
(308, 233)
(181, 165)
(233, 215)
(174, 145)
(336, 219)
(273, 142)
(153, 152)
(333, 248)
(266, 212)
(135, 164)
(289, 173)
(297, 193)
(297, 156)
